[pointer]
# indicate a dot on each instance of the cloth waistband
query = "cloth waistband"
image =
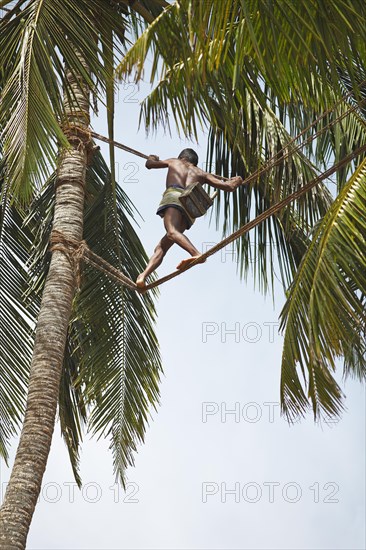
(175, 186)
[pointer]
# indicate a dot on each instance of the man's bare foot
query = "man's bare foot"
(140, 281)
(188, 261)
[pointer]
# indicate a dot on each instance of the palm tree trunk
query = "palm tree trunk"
(51, 333)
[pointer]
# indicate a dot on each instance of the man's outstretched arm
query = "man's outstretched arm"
(154, 162)
(228, 185)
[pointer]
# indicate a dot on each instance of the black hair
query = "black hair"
(190, 155)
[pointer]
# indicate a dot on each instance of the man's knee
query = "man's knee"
(172, 235)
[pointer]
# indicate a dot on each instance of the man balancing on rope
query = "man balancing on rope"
(182, 171)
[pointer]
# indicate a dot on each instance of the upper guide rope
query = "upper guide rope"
(282, 154)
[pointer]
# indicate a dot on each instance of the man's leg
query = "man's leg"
(175, 225)
(155, 260)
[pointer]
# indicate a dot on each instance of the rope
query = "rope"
(104, 266)
(73, 249)
(79, 250)
(278, 157)
(119, 145)
(132, 151)
(266, 166)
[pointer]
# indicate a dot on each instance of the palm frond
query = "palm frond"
(38, 44)
(72, 407)
(214, 65)
(108, 57)
(252, 142)
(17, 321)
(143, 12)
(120, 366)
(205, 74)
(324, 314)
(284, 42)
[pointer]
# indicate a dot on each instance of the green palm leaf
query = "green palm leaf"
(324, 314)
(72, 406)
(17, 320)
(120, 368)
(258, 137)
(279, 39)
(39, 40)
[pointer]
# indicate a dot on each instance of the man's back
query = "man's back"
(182, 172)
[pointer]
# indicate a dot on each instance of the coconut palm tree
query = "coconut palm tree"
(255, 72)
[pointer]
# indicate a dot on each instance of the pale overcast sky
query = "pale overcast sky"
(220, 468)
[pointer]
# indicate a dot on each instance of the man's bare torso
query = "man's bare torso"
(183, 173)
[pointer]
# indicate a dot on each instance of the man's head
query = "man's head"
(189, 155)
